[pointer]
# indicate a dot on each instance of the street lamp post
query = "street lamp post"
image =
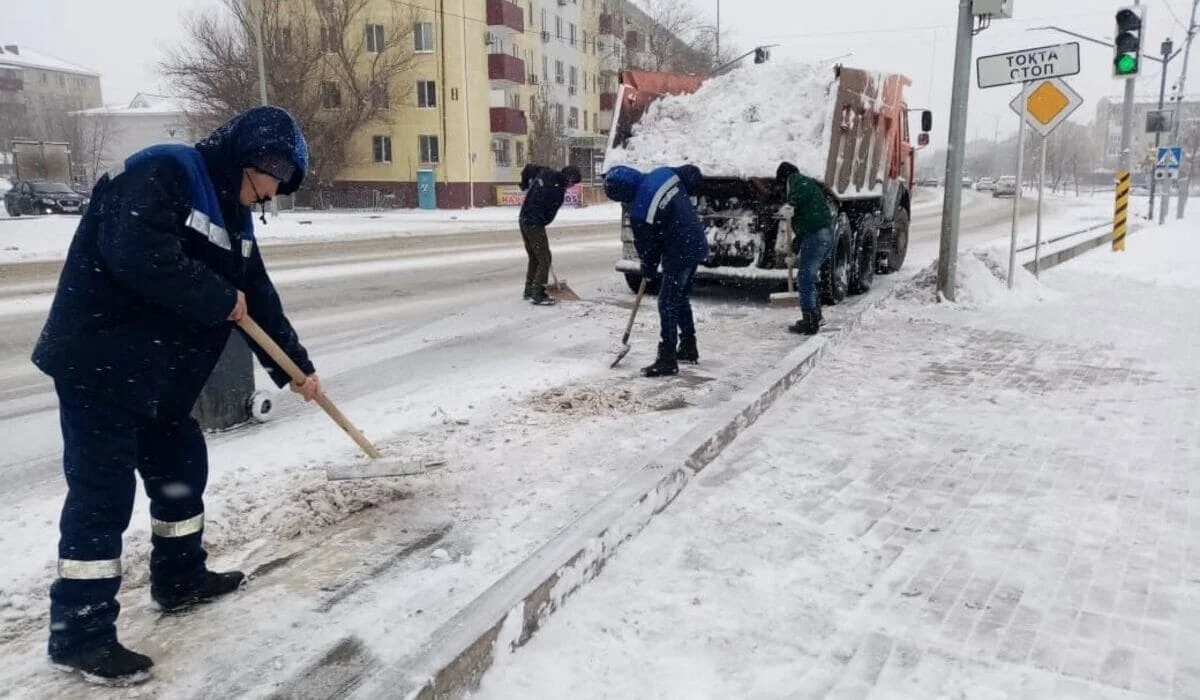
(1162, 89)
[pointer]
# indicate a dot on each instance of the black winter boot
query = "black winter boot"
(111, 664)
(687, 350)
(528, 292)
(809, 324)
(215, 585)
(540, 297)
(664, 365)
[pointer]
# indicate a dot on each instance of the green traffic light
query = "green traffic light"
(1127, 64)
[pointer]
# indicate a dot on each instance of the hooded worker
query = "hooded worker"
(163, 260)
(544, 190)
(666, 230)
(812, 226)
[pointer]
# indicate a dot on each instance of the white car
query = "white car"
(985, 184)
(1005, 187)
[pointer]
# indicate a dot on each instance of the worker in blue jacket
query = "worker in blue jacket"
(666, 230)
(163, 262)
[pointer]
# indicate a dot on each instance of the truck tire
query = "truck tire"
(634, 280)
(863, 267)
(897, 245)
(835, 275)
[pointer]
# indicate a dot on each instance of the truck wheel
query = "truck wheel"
(634, 281)
(262, 407)
(864, 259)
(835, 274)
(892, 259)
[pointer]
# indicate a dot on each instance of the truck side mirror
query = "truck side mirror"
(926, 121)
(923, 138)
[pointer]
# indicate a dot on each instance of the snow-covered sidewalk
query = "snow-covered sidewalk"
(994, 499)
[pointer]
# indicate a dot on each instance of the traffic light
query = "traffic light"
(761, 55)
(1127, 53)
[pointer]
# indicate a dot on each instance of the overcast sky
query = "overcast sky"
(124, 40)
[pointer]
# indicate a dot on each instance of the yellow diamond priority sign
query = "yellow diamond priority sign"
(1048, 103)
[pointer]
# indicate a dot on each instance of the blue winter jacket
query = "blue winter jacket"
(152, 273)
(665, 225)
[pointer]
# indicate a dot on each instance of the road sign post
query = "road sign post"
(1043, 105)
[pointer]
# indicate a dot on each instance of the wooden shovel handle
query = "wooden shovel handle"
(633, 314)
(264, 341)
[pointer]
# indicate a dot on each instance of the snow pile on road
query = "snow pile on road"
(982, 282)
(741, 124)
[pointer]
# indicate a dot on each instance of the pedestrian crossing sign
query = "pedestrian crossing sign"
(1169, 158)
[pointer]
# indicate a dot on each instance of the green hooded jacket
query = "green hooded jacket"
(812, 214)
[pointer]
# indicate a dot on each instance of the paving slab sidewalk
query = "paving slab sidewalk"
(994, 499)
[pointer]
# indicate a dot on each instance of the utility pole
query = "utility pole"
(259, 17)
(947, 269)
(1185, 185)
(717, 58)
(1162, 89)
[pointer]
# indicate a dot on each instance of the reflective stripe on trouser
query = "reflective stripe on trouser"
(103, 445)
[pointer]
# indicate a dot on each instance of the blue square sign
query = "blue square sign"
(1169, 158)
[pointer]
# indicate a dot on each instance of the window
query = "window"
(574, 76)
(543, 20)
(532, 104)
(502, 152)
(585, 82)
(381, 149)
(62, 80)
(426, 93)
(572, 34)
(573, 121)
(331, 96)
(428, 145)
(520, 153)
(375, 42)
(545, 69)
(585, 120)
(558, 117)
(558, 72)
(329, 39)
(558, 27)
(585, 37)
(423, 37)
(379, 96)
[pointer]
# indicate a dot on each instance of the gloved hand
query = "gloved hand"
(786, 212)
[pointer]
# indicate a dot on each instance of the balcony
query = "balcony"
(608, 24)
(505, 70)
(506, 120)
(502, 15)
(608, 101)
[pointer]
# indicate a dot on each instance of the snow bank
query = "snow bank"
(741, 124)
(982, 283)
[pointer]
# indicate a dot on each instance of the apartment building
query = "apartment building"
(1107, 128)
(483, 67)
(37, 90)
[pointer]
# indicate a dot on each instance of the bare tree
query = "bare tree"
(545, 144)
(93, 134)
(334, 72)
(673, 24)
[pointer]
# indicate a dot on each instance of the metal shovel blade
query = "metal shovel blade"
(382, 468)
(620, 356)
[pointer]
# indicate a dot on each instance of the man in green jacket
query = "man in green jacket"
(812, 224)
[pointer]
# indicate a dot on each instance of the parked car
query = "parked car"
(985, 184)
(967, 183)
(1005, 187)
(928, 182)
(40, 197)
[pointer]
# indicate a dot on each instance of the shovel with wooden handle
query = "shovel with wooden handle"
(625, 347)
(380, 466)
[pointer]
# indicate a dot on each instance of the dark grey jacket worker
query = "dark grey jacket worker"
(544, 190)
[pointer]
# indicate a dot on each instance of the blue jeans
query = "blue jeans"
(813, 250)
(675, 307)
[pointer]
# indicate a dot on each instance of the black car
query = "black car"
(40, 197)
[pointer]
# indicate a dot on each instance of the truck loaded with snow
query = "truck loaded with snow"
(846, 128)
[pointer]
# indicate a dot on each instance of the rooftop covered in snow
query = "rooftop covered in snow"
(144, 103)
(14, 55)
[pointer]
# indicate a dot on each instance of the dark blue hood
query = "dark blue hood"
(621, 183)
(245, 139)
(690, 176)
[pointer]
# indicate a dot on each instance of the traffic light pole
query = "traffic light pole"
(1162, 90)
(1126, 165)
(1183, 185)
(947, 268)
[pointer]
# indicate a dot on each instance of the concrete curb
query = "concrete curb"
(511, 611)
